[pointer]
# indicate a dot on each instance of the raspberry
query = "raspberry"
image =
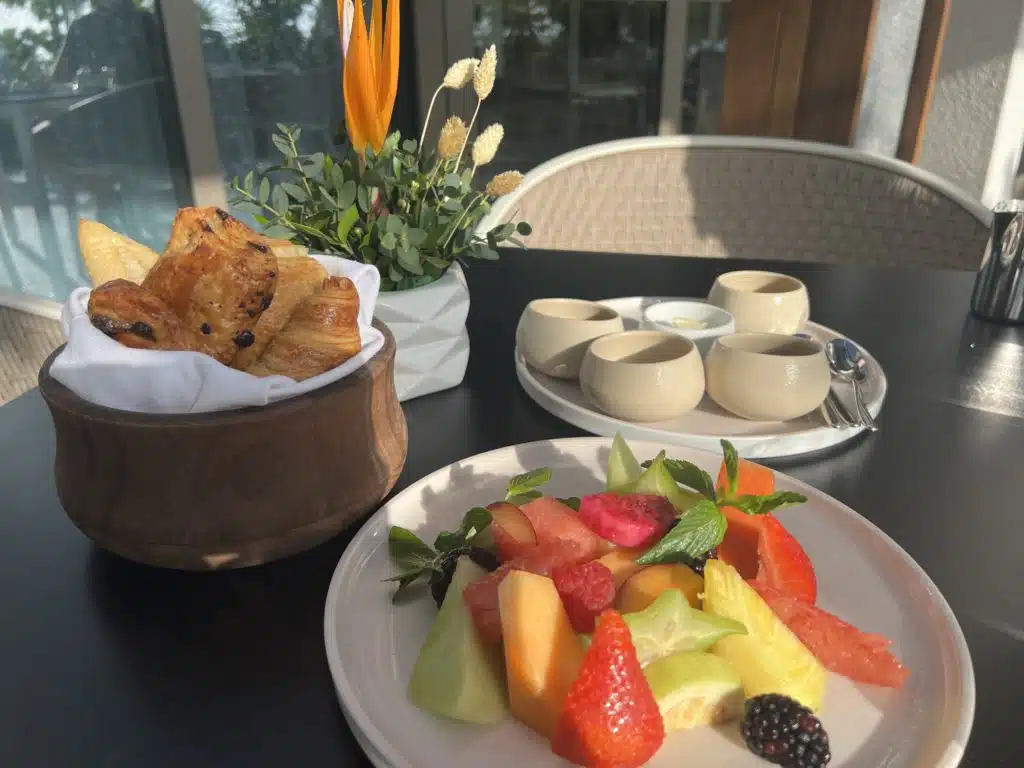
(586, 589)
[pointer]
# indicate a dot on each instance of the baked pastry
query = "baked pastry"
(321, 334)
(219, 290)
(109, 255)
(298, 278)
(132, 315)
(191, 225)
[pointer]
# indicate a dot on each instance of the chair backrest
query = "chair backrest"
(746, 198)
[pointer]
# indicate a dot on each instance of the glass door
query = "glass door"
(577, 72)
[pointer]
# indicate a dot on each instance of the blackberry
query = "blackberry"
(440, 582)
(698, 563)
(784, 732)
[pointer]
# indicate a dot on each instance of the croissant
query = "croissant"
(219, 290)
(297, 280)
(132, 315)
(321, 334)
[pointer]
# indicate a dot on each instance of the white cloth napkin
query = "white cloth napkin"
(102, 371)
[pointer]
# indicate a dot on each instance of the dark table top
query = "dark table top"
(108, 663)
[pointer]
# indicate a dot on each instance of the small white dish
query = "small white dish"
(553, 334)
(767, 376)
(698, 321)
(643, 375)
(868, 580)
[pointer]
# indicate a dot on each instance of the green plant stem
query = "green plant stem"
(426, 123)
(469, 132)
(458, 221)
(295, 152)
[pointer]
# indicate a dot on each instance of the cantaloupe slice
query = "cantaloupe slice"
(646, 585)
(622, 563)
(542, 653)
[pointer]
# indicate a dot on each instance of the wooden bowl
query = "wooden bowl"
(233, 488)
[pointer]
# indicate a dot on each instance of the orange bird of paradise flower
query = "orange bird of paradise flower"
(370, 78)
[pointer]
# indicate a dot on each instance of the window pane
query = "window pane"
(88, 128)
(706, 30)
(270, 62)
(571, 73)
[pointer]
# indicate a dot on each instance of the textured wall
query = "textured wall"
(980, 40)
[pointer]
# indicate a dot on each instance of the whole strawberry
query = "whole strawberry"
(610, 718)
(586, 590)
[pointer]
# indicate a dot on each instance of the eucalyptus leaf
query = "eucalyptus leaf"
(363, 199)
(282, 145)
(294, 191)
(347, 194)
(264, 193)
(348, 218)
(278, 231)
(279, 200)
(409, 258)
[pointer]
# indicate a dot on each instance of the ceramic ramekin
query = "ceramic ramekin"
(553, 334)
(698, 321)
(762, 302)
(767, 376)
(643, 375)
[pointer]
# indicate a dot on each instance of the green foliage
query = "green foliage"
(409, 215)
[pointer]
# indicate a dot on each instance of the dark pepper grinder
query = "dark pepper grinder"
(999, 287)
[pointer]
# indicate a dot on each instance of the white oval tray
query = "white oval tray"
(705, 426)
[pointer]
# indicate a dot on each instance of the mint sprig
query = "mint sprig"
(523, 488)
(761, 505)
(417, 560)
(732, 463)
(698, 531)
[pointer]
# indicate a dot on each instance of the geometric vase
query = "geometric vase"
(429, 325)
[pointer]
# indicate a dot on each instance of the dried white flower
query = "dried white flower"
(483, 78)
(460, 74)
(453, 138)
(504, 183)
(486, 145)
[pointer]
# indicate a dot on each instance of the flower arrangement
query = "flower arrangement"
(385, 200)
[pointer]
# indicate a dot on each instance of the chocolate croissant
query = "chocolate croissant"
(322, 333)
(219, 290)
(132, 315)
(297, 280)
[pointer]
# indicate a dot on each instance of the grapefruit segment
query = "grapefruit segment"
(782, 562)
(841, 647)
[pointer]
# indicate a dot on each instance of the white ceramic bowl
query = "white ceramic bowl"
(643, 375)
(553, 334)
(698, 321)
(767, 376)
(762, 302)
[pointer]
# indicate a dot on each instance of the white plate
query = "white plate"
(863, 575)
(705, 426)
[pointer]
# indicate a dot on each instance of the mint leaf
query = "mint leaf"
(692, 476)
(573, 502)
(698, 531)
(523, 484)
(523, 498)
(473, 522)
(407, 549)
(761, 505)
(732, 461)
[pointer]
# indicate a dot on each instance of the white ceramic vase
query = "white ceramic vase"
(429, 325)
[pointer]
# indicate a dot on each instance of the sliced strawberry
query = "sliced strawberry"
(586, 590)
(610, 716)
(783, 563)
(628, 519)
(481, 597)
(840, 647)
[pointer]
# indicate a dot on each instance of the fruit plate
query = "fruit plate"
(864, 577)
(705, 426)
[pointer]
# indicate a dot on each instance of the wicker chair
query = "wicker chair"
(28, 334)
(746, 198)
